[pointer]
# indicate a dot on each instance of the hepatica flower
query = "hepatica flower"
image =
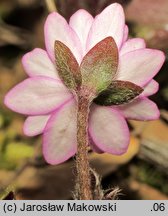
(93, 59)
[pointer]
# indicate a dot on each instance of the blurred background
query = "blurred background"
(142, 173)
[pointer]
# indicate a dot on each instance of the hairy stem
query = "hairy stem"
(82, 162)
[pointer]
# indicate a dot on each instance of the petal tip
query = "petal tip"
(157, 113)
(116, 4)
(54, 161)
(51, 15)
(7, 100)
(163, 56)
(121, 151)
(26, 130)
(82, 12)
(160, 55)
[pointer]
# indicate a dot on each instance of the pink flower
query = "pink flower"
(50, 106)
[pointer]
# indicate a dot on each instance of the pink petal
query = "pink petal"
(132, 44)
(108, 130)
(110, 22)
(93, 146)
(34, 125)
(81, 22)
(126, 31)
(140, 109)
(37, 95)
(59, 140)
(56, 28)
(140, 66)
(151, 88)
(37, 63)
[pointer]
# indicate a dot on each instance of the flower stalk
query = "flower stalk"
(83, 184)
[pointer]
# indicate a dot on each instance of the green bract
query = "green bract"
(95, 76)
(99, 65)
(119, 92)
(67, 66)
